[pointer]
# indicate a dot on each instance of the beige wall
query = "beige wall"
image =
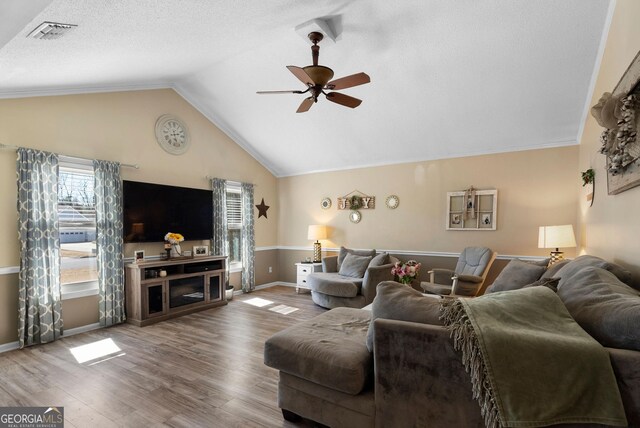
(535, 188)
(119, 126)
(611, 227)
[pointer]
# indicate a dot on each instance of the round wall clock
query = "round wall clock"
(392, 202)
(355, 216)
(172, 134)
(325, 203)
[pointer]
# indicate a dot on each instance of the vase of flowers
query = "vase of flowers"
(174, 239)
(406, 272)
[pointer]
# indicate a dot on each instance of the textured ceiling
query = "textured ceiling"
(448, 78)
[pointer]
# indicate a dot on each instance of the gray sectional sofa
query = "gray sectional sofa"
(412, 376)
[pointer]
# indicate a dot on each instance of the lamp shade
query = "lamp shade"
(317, 232)
(556, 237)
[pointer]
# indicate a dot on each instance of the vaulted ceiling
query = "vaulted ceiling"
(448, 78)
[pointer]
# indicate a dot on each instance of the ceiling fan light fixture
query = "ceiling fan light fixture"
(317, 25)
(320, 74)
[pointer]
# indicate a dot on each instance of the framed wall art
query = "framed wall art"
(619, 113)
(472, 210)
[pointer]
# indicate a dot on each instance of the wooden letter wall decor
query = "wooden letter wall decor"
(357, 202)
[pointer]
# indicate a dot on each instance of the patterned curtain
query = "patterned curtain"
(220, 241)
(39, 314)
(248, 239)
(109, 242)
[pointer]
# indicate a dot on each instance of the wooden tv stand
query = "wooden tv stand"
(192, 284)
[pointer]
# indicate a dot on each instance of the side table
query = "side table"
(303, 270)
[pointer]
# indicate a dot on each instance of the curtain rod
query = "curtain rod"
(209, 177)
(8, 147)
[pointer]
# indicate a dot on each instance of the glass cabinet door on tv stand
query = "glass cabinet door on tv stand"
(189, 284)
(154, 302)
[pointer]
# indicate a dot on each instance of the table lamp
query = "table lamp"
(317, 232)
(556, 237)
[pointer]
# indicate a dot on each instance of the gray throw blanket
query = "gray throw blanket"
(530, 363)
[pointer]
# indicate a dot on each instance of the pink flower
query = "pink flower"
(407, 271)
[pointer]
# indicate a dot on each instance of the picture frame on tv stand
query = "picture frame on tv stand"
(200, 250)
(138, 256)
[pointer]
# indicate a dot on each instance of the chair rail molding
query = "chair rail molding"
(8, 270)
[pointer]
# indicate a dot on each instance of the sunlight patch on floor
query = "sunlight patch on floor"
(257, 301)
(95, 350)
(283, 309)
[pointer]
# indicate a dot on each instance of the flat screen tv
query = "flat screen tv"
(153, 210)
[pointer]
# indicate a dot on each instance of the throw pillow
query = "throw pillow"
(579, 263)
(354, 266)
(344, 251)
(395, 301)
(551, 283)
(379, 260)
(604, 306)
(515, 275)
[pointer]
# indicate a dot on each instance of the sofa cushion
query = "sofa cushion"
(552, 270)
(354, 266)
(544, 262)
(579, 263)
(400, 302)
(344, 251)
(551, 283)
(605, 307)
(379, 260)
(515, 275)
(329, 350)
(333, 284)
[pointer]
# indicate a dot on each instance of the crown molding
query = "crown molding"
(596, 69)
(185, 93)
(80, 90)
(549, 145)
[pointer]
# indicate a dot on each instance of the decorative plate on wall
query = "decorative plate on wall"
(325, 203)
(172, 134)
(355, 216)
(392, 202)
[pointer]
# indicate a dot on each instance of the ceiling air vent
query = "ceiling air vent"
(51, 30)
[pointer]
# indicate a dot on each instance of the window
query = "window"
(77, 219)
(234, 224)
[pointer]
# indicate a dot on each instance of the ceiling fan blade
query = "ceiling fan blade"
(278, 92)
(306, 105)
(344, 100)
(301, 75)
(349, 81)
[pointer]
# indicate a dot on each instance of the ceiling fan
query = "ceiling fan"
(318, 80)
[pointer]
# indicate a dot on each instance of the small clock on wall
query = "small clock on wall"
(172, 134)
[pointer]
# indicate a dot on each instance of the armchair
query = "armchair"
(330, 290)
(467, 279)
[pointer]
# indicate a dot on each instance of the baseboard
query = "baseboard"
(6, 347)
(81, 329)
(273, 284)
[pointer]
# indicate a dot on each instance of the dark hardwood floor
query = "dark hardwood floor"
(200, 370)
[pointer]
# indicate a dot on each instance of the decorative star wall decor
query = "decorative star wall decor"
(262, 209)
